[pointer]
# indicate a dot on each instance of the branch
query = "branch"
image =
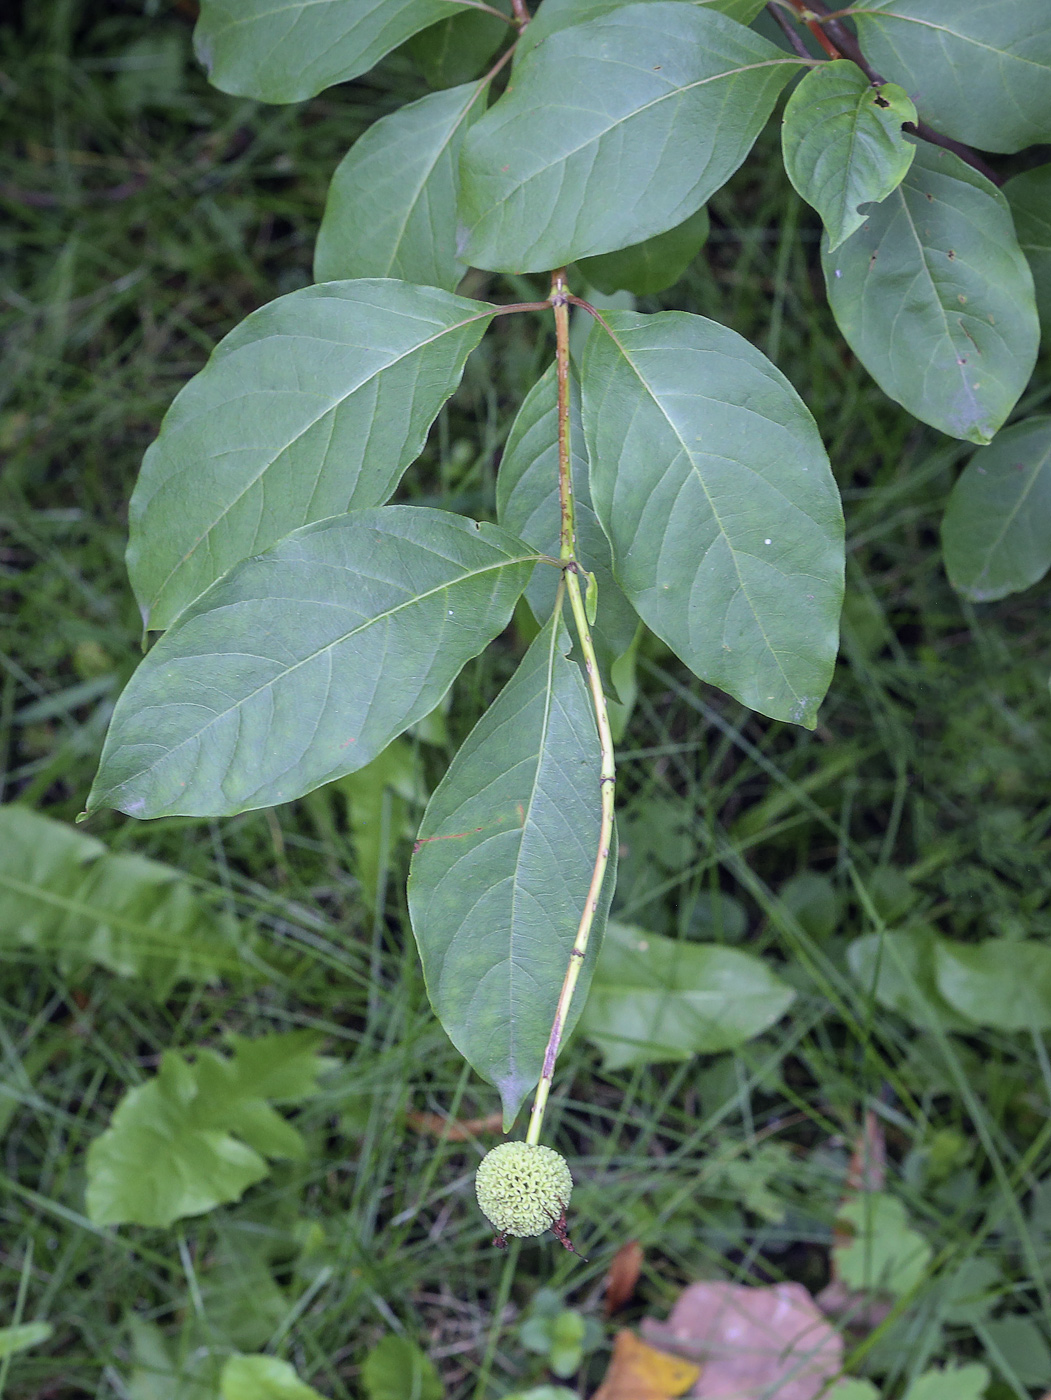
(789, 32)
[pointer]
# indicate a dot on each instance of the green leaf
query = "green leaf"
(527, 504)
(159, 1374)
(23, 1336)
(290, 51)
(303, 663)
(935, 298)
(996, 534)
(1018, 1346)
(457, 49)
(396, 1369)
(652, 266)
(998, 983)
(391, 206)
(853, 1389)
(619, 130)
(502, 865)
(199, 1135)
(655, 999)
(554, 15)
(65, 897)
(898, 969)
(885, 1253)
(950, 1383)
(981, 71)
(313, 405)
(843, 144)
(263, 1378)
(710, 480)
(1029, 196)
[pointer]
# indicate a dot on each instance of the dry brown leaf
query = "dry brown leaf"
(640, 1372)
(453, 1130)
(753, 1343)
(623, 1276)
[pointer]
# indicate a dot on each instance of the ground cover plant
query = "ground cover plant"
(898, 925)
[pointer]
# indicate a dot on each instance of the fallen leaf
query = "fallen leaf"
(623, 1276)
(640, 1372)
(753, 1343)
(453, 1129)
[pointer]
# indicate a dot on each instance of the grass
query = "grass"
(144, 218)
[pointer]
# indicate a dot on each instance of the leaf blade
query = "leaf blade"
(586, 113)
(935, 298)
(747, 594)
(502, 865)
(265, 687)
(1029, 196)
(652, 266)
(313, 405)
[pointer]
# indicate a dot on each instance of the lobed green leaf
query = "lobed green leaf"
(935, 297)
(313, 405)
(303, 663)
(618, 131)
(996, 533)
(502, 865)
(711, 483)
(843, 144)
(391, 206)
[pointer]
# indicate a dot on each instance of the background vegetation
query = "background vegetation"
(144, 215)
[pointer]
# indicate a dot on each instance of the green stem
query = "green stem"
(607, 776)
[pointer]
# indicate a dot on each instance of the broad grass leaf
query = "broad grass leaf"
(843, 144)
(391, 207)
(313, 405)
(981, 71)
(263, 1378)
(710, 480)
(65, 898)
(554, 15)
(935, 297)
(619, 130)
(502, 865)
(996, 532)
(652, 266)
(22, 1336)
(303, 663)
(885, 1254)
(396, 1369)
(657, 999)
(1029, 196)
(200, 1134)
(527, 504)
(999, 983)
(290, 51)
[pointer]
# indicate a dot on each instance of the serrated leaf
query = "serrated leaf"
(313, 405)
(391, 207)
(456, 50)
(554, 15)
(657, 999)
(935, 298)
(64, 896)
(527, 504)
(22, 1336)
(981, 72)
(843, 144)
(200, 1134)
(998, 983)
(288, 51)
(652, 266)
(996, 533)
(502, 865)
(618, 131)
(711, 483)
(263, 1378)
(885, 1254)
(303, 663)
(396, 1369)
(1029, 196)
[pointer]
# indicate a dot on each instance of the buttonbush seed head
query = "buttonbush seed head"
(523, 1190)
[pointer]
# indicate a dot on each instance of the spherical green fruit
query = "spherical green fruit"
(523, 1190)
